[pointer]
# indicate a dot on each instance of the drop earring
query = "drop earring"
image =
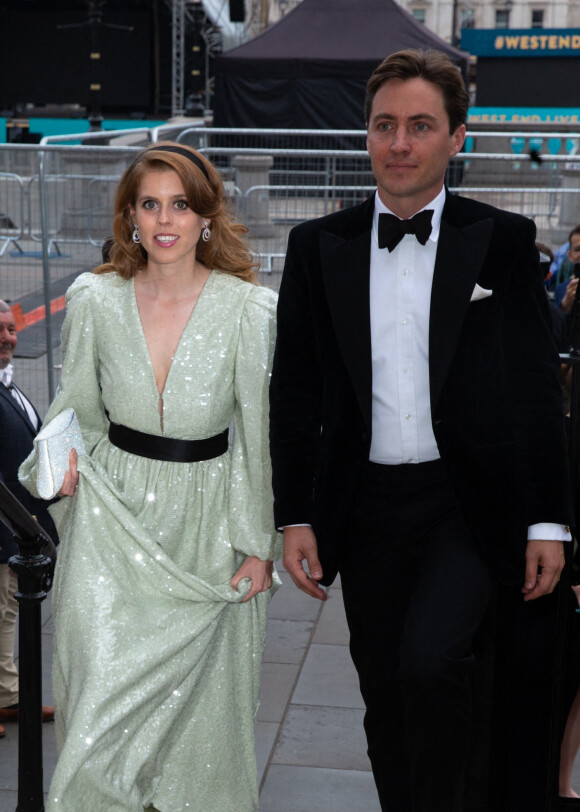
(206, 233)
(136, 237)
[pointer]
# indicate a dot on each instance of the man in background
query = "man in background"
(19, 424)
(566, 291)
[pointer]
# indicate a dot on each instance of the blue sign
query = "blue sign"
(524, 115)
(519, 42)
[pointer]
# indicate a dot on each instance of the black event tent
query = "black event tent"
(309, 70)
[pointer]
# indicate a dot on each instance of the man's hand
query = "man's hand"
(300, 544)
(544, 563)
(569, 296)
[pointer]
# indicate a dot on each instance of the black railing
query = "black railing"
(34, 567)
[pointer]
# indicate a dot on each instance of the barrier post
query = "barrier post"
(34, 566)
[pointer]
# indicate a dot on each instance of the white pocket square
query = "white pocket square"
(480, 293)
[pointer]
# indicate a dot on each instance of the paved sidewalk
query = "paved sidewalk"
(309, 740)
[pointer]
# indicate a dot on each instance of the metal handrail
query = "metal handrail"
(34, 567)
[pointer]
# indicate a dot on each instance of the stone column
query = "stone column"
(253, 208)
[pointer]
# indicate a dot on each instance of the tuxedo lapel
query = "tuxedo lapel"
(345, 265)
(461, 252)
(20, 411)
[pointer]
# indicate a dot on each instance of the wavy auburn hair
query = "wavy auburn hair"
(226, 250)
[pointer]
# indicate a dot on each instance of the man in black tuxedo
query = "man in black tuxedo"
(19, 423)
(417, 433)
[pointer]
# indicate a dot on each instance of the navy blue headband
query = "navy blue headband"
(179, 151)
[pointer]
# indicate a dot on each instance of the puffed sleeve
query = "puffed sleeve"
(79, 384)
(251, 516)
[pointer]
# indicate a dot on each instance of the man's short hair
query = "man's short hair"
(575, 230)
(432, 66)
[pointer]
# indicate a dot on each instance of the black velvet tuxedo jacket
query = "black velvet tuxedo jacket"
(16, 436)
(495, 398)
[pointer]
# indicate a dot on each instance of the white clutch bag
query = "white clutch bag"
(53, 445)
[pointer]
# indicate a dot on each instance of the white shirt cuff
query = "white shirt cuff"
(549, 532)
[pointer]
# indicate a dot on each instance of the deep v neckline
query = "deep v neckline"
(189, 320)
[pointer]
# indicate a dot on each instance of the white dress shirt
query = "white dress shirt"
(6, 375)
(400, 299)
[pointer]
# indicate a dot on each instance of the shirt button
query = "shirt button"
(410, 459)
(403, 321)
(407, 417)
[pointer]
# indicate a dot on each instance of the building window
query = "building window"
(537, 18)
(467, 18)
(502, 18)
(420, 14)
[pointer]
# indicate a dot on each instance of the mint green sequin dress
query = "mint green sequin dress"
(156, 667)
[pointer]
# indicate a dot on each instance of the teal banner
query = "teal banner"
(524, 115)
(519, 42)
(67, 126)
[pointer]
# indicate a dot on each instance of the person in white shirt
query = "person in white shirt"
(417, 434)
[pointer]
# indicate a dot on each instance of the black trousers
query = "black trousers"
(416, 590)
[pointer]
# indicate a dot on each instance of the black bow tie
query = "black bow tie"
(392, 229)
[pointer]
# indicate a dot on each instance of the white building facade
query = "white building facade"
(447, 17)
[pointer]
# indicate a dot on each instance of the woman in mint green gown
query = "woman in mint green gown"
(165, 567)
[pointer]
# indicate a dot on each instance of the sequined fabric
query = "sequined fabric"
(157, 662)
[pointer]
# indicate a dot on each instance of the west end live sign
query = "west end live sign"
(502, 44)
(537, 42)
(521, 42)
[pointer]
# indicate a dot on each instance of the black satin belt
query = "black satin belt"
(167, 448)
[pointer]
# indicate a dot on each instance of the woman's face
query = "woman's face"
(168, 228)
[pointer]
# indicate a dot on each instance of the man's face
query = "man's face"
(409, 143)
(8, 339)
(574, 250)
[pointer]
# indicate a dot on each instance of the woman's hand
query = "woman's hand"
(71, 478)
(259, 572)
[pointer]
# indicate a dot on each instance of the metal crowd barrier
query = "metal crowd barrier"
(11, 199)
(56, 200)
